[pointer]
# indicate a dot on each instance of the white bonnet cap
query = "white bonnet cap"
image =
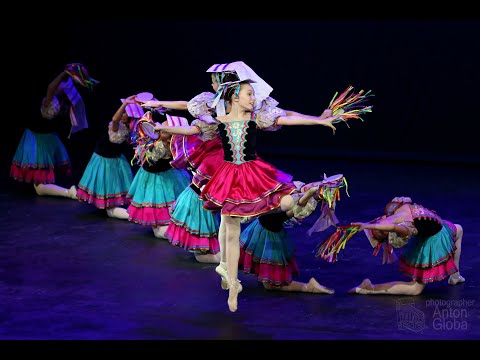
(244, 72)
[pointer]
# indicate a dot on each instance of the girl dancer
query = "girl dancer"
(156, 184)
(41, 152)
(108, 175)
(431, 247)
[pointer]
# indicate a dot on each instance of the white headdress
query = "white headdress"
(244, 72)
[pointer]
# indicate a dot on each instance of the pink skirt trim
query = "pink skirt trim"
(149, 216)
(275, 275)
(179, 236)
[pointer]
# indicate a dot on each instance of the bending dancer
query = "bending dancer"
(431, 247)
(267, 251)
(41, 152)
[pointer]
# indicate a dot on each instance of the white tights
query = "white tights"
(55, 190)
(117, 212)
(159, 231)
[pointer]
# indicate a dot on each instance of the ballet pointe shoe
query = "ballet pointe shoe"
(363, 288)
(72, 193)
(314, 287)
(454, 280)
(221, 270)
(234, 289)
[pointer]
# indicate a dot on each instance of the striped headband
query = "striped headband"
(134, 110)
(176, 120)
(218, 67)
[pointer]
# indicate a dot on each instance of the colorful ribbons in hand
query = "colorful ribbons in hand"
(329, 249)
(350, 105)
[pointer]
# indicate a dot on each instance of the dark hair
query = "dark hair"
(158, 117)
(228, 76)
(230, 92)
(427, 227)
(380, 235)
(225, 77)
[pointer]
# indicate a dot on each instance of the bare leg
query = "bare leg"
(456, 278)
(222, 236)
(295, 286)
(233, 255)
(55, 190)
(208, 258)
(117, 212)
(390, 288)
(221, 269)
(159, 231)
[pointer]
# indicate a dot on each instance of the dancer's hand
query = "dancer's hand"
(326, 113)
(130, 99)
(151, 104)
(158, 127)
(328, 121)
(361, 226)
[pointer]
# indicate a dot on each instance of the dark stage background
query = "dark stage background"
(423, 72)
(70, 272)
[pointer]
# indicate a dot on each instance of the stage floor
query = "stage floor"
(70, 272)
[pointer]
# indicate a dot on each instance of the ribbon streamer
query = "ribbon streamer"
(329, 249)
(350, 105)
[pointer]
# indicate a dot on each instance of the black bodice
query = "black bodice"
(104, 147)
(273, 221)
(160, 165)
(245, 141)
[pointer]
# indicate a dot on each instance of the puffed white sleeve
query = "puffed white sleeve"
(267, 116)
(52, 110)
(199, 105)
(208, 127)
(119, 136)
